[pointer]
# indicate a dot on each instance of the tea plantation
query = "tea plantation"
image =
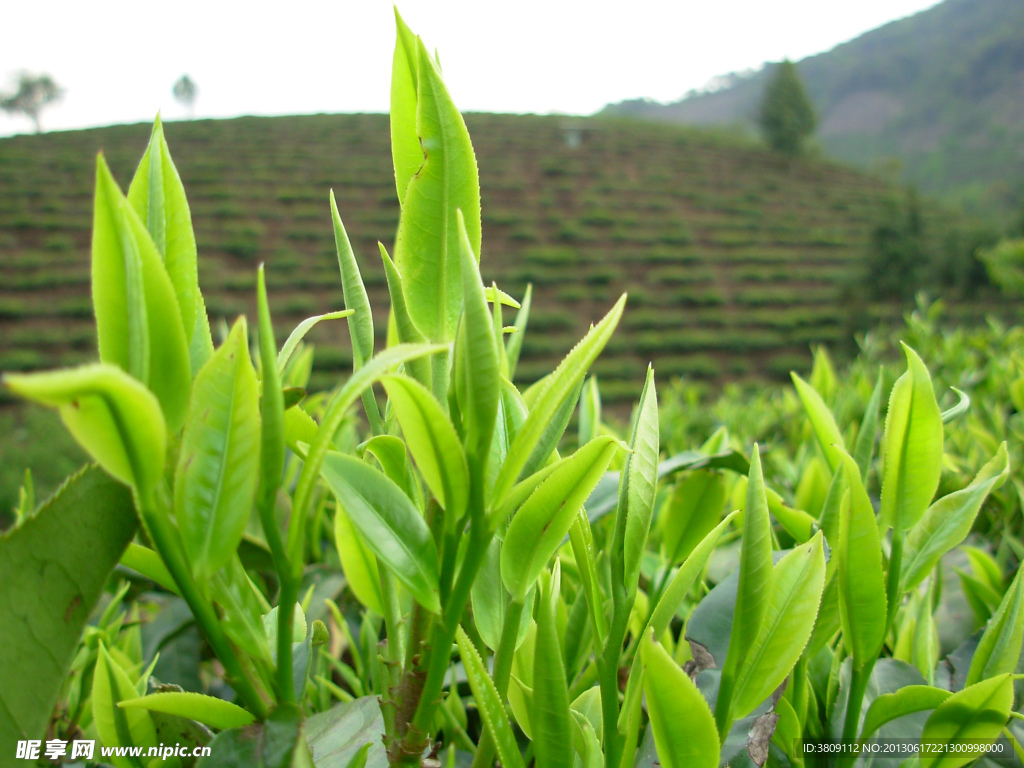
(734, 259)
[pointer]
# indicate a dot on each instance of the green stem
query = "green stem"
(444, 630)
(506, 647)
(485, 751)
(156, 512)
(285, 618)
(608, 678)
(392, 614)
(892, 588)
(858, 685)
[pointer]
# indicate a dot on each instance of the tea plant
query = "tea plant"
(516, 604)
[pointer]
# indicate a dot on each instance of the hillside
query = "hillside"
(940, 91)
(734, 260)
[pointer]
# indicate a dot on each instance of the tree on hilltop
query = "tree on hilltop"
(185, 92)
(786, 116)
(33, 93)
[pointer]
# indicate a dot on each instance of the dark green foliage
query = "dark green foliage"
(786, 116)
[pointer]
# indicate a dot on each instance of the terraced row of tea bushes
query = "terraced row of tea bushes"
(731, 258)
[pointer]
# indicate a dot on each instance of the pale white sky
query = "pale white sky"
(118, 59)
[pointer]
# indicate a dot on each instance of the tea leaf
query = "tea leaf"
(590, 412)
(975, 714)
(296, 336)
(477, 383)
(962, 406)
(638, 484)
(552, 726)
(864, 446)
(560, 385)
(909, 699)
(515, 342)
(215, 483)
(360, 326)
(432, 442)
(208, 710)
(684, 728)
(405, 142)
(912, 447)
(490, 600)
(357, 563)
(822, 421)
(393, 456)
(117, 727)
(53, 567)
(443, 181)
(862, 601)
(539, 526)
(755, 576)
(388, 523)
(693, 509)
(406, 330)
(796, 588)
(111, 415)
(999, 649)
(157, 195)
(492, 710)
(138, 322)
(947, 522)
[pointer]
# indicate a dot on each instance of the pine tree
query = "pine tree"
(787, 117)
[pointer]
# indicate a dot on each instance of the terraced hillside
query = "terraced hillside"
(734, 259)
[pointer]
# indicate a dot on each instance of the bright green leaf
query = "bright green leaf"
(693, 509)
(684, 728)
(912, 447)
(947, 522)
(389, 524)
(215, 483)
(862, 602)
(433, 443)
(114, 417)
(138, 320)
(490, 705)
(909, 699)
(975, 714)
(358, 563)
(822, 421)
(638, 484)
(552, 726)
(208, 710)
(117, 727)
(444, 181)
(296, 336)
(999, 649)
(539, 526)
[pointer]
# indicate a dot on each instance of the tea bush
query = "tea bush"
(434, 579)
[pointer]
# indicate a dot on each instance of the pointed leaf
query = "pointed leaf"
(388, 523)
(693, 509)
(947, 522)
(864, 447)
(138, 320)
(405, 142)
(515, 342)
(215, 483)
(975, 714)
(208, 710)
(862, 602)
(446, 180)
(296, 336)
(492, 710)
(114, 417)
(822, 421)
(684, 728)
(478, 384)
(157, 196)
(912, 447)
(999, 649)
(552, 723)
(796, 588)
(357, 563)
(561, 384)
(117, 727)
(539, 526)
(905, 701)
(433, 443)
(638, 484)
